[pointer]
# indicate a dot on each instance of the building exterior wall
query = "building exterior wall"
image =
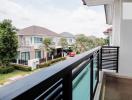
(125, 61)
(70, 41)
(122, 32)
(29, 44)
(122, 36)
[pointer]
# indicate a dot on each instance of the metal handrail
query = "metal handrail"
(36, 85)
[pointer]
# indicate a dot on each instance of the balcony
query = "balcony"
(116, 87)
(77, 78)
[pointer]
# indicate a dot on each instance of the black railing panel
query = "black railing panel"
(56, 81)
(109, 57)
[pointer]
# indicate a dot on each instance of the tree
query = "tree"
(8, 43)
(64, 44)
(84, 43)
(100, 42)
(107, 40)
(81, 42)
(47, 45)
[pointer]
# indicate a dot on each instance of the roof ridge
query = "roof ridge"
(34, 29)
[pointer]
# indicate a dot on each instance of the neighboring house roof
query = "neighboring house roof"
(67, 35)
(37, 30)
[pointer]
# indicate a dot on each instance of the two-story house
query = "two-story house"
(31, 42)
(69, 37)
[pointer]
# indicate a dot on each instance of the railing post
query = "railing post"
(100, 67)
(117, 59)
(91, 78)
(67, 86)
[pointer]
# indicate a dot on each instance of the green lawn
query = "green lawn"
(4, 77)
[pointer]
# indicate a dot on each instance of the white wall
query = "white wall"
(127, 13)
(56, 40)
(125, 61)
(70, 41)
(125, 65)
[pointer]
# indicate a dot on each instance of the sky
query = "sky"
(57, 15)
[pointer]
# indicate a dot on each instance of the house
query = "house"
(31, 43)
(69, 37)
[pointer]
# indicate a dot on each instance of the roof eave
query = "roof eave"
(96, 2)
(109, 13)
(107, 7)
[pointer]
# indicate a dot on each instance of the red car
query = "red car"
(72, 54)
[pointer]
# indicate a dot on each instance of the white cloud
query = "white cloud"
(82, 20)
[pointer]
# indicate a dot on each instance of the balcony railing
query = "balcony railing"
(110, 55)
(58, 81)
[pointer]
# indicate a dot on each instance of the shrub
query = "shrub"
(63, 58)
(5, 70)
(21, 67)
(57, 59)
(46, 64)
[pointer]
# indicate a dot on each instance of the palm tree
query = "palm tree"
(64, 44)
(47, 46)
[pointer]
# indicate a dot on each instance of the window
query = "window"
(31, 40)
(27, 40)
(25, 56)
(37, 54)
(38, 40)
(127, 14)
(18, 55)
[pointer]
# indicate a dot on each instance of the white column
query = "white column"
(116, 23)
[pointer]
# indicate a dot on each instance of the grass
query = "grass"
(4, 77)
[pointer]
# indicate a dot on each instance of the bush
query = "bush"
(63, 58)
(21, 67)
(5, 70)
(46, 64)
(57, 59)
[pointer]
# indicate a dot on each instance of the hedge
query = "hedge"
(57, 59)
(5, 70)
(21, 67)
(46, 64)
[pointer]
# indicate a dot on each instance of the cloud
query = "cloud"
(81, 20)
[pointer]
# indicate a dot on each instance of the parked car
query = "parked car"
(72, 54)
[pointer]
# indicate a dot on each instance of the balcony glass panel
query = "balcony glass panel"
(81, 85)
(95, 73)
